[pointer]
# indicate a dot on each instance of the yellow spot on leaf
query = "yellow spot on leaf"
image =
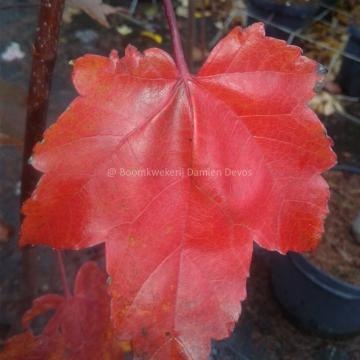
(126, 346)
(132, 240)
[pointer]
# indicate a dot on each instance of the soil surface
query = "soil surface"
(338, 252)
(264, 332)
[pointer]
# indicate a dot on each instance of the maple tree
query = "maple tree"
(241, 155)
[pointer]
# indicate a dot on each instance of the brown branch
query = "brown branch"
(44, 57)
(43, 62)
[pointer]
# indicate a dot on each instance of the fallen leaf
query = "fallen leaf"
(96, 9)
(124, 30)
(153, 36)
(179, 174)
(326, 104)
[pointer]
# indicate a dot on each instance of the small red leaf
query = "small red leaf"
(179, 243)
(79, 329)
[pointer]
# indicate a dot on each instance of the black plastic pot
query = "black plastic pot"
(329, 2)
(349, 74)
(313, 299)
(292, 17)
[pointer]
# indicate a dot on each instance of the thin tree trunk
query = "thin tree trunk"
(43, 62)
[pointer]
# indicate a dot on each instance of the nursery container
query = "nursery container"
(291, 15)
(349, 74)
(329, 2)
(315, 300)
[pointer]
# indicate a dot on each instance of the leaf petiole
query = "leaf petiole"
(63, 274)
(176, 40)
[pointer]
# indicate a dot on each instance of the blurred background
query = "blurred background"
(297, 308)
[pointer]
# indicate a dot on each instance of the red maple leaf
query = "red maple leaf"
(241, 155)
(80, 328)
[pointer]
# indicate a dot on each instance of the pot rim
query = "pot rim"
(320, 277)
(325, 280)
